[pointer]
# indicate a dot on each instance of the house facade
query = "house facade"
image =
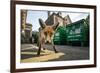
(54, 18)
(26, 28)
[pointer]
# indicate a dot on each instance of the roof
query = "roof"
(50, 19)
(77, 22)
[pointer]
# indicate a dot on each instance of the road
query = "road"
(72, 53)
(65, 53)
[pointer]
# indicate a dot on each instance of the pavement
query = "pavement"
(65, 53)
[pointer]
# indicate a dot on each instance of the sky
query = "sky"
(33, 16)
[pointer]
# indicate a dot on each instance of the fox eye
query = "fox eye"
(51, 34)
(45, 33)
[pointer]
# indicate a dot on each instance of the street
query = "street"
(65, 53)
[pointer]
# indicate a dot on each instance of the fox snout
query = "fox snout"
(48, 40)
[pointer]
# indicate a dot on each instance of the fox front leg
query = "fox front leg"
(41, 45)
(54, 47)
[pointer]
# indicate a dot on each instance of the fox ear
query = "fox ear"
(42, 24)
(55, 26)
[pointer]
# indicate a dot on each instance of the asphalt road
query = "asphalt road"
(70, 52)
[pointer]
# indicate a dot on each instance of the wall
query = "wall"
(5, 36)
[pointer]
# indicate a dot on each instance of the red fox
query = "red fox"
(46, 34)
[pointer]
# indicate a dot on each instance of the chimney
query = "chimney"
(59, 13)
(48, 13)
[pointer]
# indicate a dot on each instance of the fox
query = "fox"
(46, 34)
